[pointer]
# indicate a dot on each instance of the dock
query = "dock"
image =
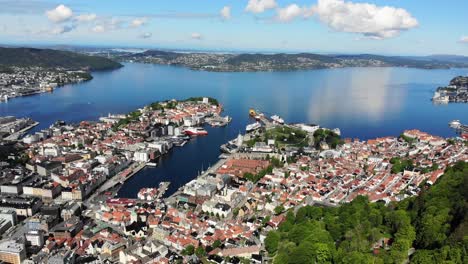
(163, 186)
(20, 133)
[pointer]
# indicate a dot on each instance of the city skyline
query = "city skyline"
(321, 26)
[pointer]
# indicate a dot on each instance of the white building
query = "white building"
(35, 237)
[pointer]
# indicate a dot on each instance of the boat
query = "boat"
(151, 164)
(277, 119)
(252, 112)
(252, 127)
(195, 131)
(455, 124)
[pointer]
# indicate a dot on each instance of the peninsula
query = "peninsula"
(27, 71)
(284, 61)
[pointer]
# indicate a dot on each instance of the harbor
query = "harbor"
(12, 128)
(461, 129)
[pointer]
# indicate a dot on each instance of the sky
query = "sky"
(393, 27)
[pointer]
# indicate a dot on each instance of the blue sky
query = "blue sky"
(406, 27)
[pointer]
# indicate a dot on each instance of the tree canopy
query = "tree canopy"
(429, 228)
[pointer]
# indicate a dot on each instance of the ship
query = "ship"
(252, 127)
(455, 124)
(277, 119)
(195, 131)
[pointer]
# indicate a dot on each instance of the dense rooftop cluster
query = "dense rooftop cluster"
(65, 193)
(455, 92)
(20, 81)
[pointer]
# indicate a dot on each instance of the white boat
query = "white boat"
(252, 127)
(151, 164)
(455, 124)
(277, 119)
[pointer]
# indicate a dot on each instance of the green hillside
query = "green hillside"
(431, 228)
(26, 57)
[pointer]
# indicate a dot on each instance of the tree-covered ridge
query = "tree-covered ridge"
(285, 61)
(430, 228)
(47, 58)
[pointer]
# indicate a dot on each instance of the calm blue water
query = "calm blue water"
(362, 102)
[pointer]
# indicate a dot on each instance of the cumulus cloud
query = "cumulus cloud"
(59, 14)
(364, 18)
(138, 22)
(225, 12)
(146, 35)
(259, 6)
(86, 17)
(62, 29)
(196, 35)
(464, 39)
(293, 11)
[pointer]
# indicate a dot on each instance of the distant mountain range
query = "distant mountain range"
(286, 61)
(444, 58)
(48, 58)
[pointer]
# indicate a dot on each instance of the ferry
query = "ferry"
(455, 124)
(252, 127)
(277, 119)
(195, 131)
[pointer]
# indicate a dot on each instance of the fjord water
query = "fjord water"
(362, 102)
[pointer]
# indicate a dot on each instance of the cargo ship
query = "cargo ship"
(195, 131)
(255, 114)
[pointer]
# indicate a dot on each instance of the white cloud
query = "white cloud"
(138, 22)
(146, 35)
(62, 29)
(259, 6)
(464, 39)
(59, 14)
(364, 18)
(98, 29)
(225, 12)
(291, 12)
(196, 35)
(86, 17)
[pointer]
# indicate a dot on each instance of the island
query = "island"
(282, 193)
(27, 71)
(455, 92)
(247, 62)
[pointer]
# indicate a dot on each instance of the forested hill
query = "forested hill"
(431, 228)
(284, 61)
(48, 58)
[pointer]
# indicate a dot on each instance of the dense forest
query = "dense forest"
(30, 57)
(429, 228)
